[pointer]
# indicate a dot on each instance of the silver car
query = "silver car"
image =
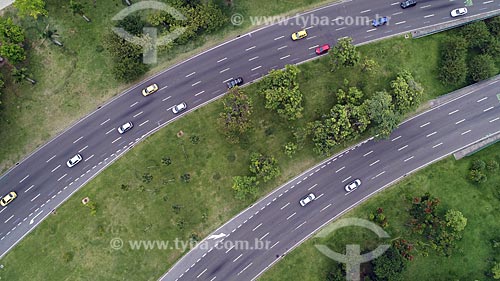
(178, 108)
(353, 185)
(125, 127)
(74, 160)
(308, 199)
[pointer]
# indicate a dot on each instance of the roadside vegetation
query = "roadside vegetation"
(184, 185)
(442, 226)
(68, 49)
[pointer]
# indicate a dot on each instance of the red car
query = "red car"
(322, 49)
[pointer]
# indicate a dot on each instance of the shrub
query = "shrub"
(492, 166)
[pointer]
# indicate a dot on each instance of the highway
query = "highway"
(43, 181)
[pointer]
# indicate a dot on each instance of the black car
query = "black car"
(235, 82)
(408, 3)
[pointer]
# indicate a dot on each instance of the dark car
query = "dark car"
(235, 82)
(380, 21)
(408, 3)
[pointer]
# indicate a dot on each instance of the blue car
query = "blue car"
(380, 21)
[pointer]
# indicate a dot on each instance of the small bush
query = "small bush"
(492, 166)
(186, 178)
(477, 176)
(147, 178)
(194, 139)
(478, 165)
(166, 161)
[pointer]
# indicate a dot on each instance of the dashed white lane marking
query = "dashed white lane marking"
(453, 112)
(466, 132)
(238, 257)
(368, 153)
(311, 37)
(224, 70)
(59, 179)
(493, 120)
(423, 125)
(408, 159)
(321, 195)
(434, 146)
(488, 109)
(395, 139)
(428, 16)
(202, 273)
(403, 147)
(255, 68)
(166, 98)
(79, 151)
(374, 163)
(285, 205)
(488, 2)
(312, 47)
(143, 123)
(50, 159)
(254, 58)
(458, 122)
(365, 11)
(274, 245)
(221, 60)
(246, 267)
(395, 3)
(29, 188)
(227, 250)
(110, 131)
(227, 80)
(107, 120)
(370, 30)
(378, 175)
(265, 235)
(213, 278)
(75, 141)
(195, 83)
(199, 93)
(340, 169)
(290, 216)
(346, 179)
(401, 22)
(340, 28)
(287, 56)
(27, 176)
(9, 219)
(398, 13)
(312, 187)
(300, 225)
(326, 207)
(117, 139)
(138, 114)
(282, 47)
(132, 105)
(308, 27)
(426, 6)
(257, 227)
(248, 49)
(53, 170)
(35, 197)
(90, 157)
(190, 74)
(278, 38)
(431, 134)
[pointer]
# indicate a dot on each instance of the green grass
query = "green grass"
(74, 245)
(445, 180)
(74, 80)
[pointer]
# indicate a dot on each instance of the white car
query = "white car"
(353, 185)
(74, 160)
(178, 108)
(125, 127)
(308, 199)
(458, 12)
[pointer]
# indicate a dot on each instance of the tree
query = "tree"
(481, 67)
(351, 96)
(382, 114)
(344, 54)
(11, 32)
(455, 220)
(477, 34)
(207, 17)
(281, 90)
(245, 186)
(406, 92)
(264, 167)
(390, 265)
(494, 26)
(453, 66)
(477, 176)
(368, 65)
(127, 58)
(235, 117)
(495, 270)
(32, 8)
(336, 273)
(13, 52)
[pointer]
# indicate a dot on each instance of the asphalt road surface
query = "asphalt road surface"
(43, 181)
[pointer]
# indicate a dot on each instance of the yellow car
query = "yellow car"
(149, 90)
(299, 35)
(8, 198)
